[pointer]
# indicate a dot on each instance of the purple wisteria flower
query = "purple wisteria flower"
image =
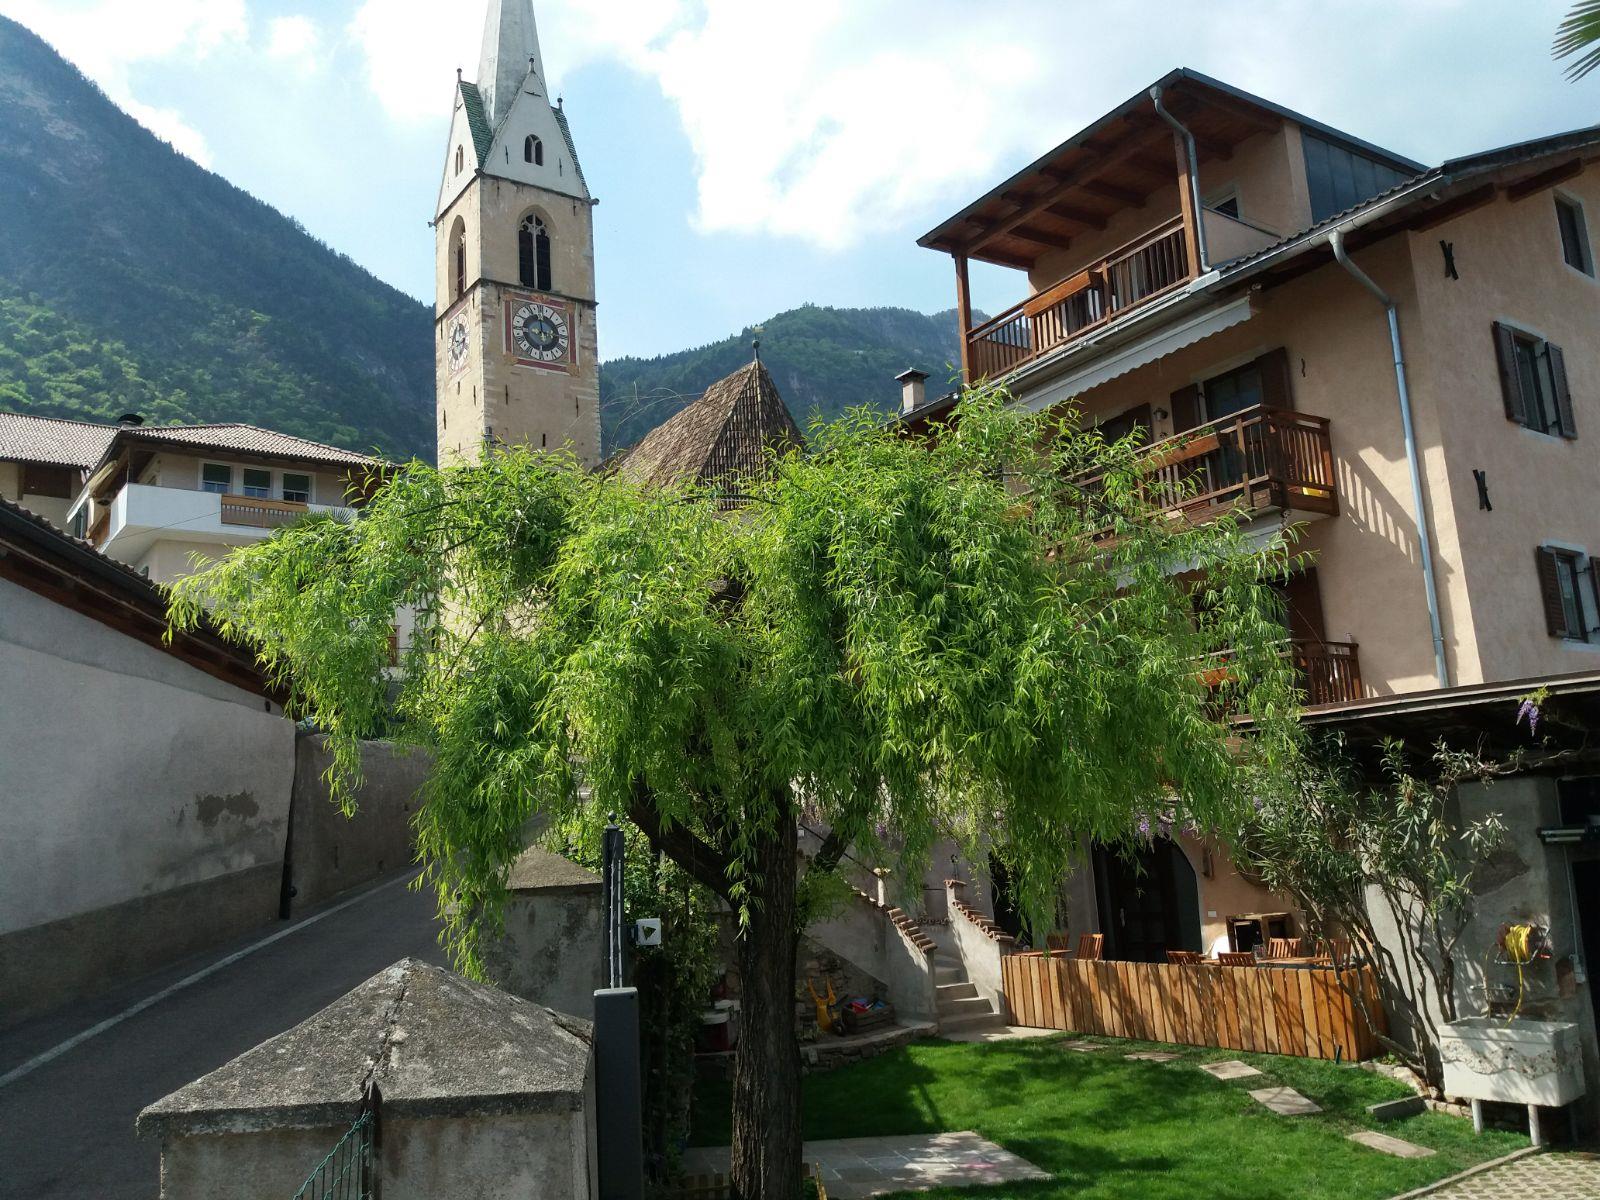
(1530, 710)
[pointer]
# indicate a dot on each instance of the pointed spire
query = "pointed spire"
(510, 52)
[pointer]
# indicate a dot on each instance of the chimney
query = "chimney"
(913, 390)
(130, 420)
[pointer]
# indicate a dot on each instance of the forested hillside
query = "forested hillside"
(824, 360)
(132, 279)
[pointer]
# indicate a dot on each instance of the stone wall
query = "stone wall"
(553, 950)
(329, 853)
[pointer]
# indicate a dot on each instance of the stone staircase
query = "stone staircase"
(960, 1009)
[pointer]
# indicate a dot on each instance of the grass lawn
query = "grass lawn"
(1106, 1127)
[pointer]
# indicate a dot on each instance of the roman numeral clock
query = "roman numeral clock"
(540, 331)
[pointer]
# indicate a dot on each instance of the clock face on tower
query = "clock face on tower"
(538, 333)
(456, 344)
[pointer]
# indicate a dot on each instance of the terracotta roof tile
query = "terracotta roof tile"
(250, 439)
(31, 439)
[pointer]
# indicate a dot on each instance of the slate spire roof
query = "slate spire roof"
(721, 437)
(510, 44)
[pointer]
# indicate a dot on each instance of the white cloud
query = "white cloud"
(295, 41)
(106, 39)
(835, 120)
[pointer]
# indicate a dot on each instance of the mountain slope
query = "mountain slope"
(133, 280)
(824, 360)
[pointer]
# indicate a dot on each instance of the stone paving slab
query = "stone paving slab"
(1082, 1047)
(854, 1168)
(1233, 1068)
(1285, 1101)
(1155, 1056)
(1385, 1144)
(1564, 1175)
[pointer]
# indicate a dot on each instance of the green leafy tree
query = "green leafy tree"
(1579, 34)
(1388, 865)
(994, 634)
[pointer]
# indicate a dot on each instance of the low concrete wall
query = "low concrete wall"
(144, 805)
(869, 937)
(330, 853)
(553, 946)
(472, 1158)
(980, 944)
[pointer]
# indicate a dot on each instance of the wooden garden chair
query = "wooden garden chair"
(1184, 958)
(1090, 946)
(1284, 948)
(1229, 958)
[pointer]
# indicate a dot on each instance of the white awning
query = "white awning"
(1136, 353)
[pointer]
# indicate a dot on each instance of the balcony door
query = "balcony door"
(1302, 604)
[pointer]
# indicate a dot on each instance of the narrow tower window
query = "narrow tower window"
(458, 260)
(461, 158)
(533, 150)
(533, 253)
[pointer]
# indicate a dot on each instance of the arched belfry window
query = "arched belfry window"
(461, 159)
(533, 253)
(533, 150)
(458, 260)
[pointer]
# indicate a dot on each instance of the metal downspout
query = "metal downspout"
(1424, 542)
(1194, 179)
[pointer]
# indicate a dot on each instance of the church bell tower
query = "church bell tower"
(514, 308)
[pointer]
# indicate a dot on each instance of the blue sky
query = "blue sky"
(750, 155)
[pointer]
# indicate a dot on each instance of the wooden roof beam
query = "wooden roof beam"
(1083, 216)
(1099, 160)
(1110, 191)
(1042, 237)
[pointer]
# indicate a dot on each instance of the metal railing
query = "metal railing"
(1140, 270)
(350, 1169)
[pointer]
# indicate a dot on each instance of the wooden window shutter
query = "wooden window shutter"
(1555, 614)
(1558, 375)
(1185, 404)
(1273, 367)
(1505, 352)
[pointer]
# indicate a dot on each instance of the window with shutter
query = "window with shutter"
(1533, 382)
(1560, 591)
(1273, 367)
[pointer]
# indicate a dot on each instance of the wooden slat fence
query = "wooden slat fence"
(1267, 1010)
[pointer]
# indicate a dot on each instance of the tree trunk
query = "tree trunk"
(766, 1068)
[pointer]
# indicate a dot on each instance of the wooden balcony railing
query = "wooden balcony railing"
(260, 513)
(1265, 459)
(1144, 268)
(1328, 672)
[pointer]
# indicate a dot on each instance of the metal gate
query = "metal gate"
(350, 1169)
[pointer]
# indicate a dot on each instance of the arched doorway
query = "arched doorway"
(1149, 900)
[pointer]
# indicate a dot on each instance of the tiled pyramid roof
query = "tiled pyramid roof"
(722, 436)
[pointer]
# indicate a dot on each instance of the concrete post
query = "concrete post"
(620, 1115)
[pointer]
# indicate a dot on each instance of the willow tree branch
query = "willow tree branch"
(703, 862)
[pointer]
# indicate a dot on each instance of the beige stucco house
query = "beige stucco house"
(1397, 360)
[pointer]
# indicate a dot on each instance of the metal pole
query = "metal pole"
(619, 1120)
(612, 851)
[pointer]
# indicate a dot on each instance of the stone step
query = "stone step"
(944, 976)
(972, 1006)
(956, 990)
(991, 1020)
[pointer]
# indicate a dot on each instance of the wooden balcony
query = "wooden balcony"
(1262, 459)
(1328, 672)
(259, 513)
(1151, 265)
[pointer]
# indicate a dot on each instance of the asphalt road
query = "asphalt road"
(66, 1127)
